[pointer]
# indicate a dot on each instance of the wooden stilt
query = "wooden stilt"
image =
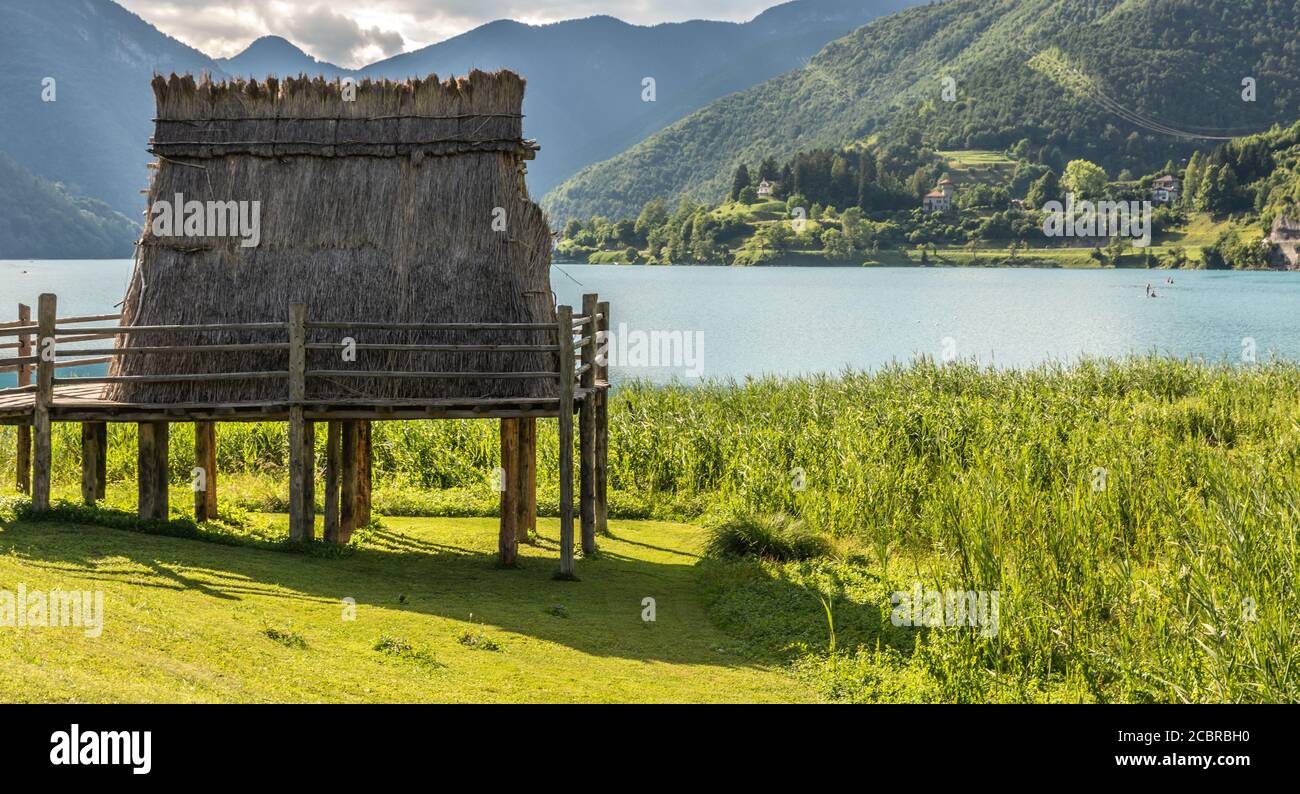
(365, 468)
(602, 418)
(565, 323)
(508, 540)
(309, 482)
(151, 470)
(332, 482)
(205, 458)
(90, 455)
(300, 518)
(587, 429)
(348, 479)
(23, 457)
(41, 438)
(526, 524)
(101, 460)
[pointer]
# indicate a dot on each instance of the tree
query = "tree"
(1084, 179)
(739, 181)
(836, 245)
(748, 195)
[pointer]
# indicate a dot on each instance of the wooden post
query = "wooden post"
(508, 540)
(205, 458)
(101, 462)
(332, 482)
(347, 479)
(602, 418)
(23, 459)
(41, 453)
(301, 521)
(365, 468)
(151, 470)
(526, 524)
(91, 455)
(587, 428)
(565, 329)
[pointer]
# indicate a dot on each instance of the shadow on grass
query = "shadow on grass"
(459, 580)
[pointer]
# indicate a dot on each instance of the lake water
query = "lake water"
(732, 322)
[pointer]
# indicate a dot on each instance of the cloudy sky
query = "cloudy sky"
(353, 34)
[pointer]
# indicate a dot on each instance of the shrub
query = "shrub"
(773, 537)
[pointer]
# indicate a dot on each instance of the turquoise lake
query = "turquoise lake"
(720, 322)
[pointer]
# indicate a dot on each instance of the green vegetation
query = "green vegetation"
(1057, 80)
(1138, 519)
(45, 220)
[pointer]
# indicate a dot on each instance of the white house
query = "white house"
(766, 189)
(1166, 189)
(940, 199)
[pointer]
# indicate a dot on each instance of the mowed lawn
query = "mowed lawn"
(187, 620)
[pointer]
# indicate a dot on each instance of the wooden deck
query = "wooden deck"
(86, 403)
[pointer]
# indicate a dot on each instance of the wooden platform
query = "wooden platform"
(86, 403)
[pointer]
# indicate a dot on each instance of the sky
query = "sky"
(355, 34)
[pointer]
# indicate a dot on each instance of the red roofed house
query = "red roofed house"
(940, 199)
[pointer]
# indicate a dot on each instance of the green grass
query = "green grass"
(191, 621)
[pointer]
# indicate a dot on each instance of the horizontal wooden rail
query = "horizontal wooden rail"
(581, 370)
(89, 318)
(440, 348)
(83, 338)
(582, 342)
(140, 329)
(211, 376)
(18, 390)
(17, 361)
(19, 330)
(434, 326)
(83, 362)
(361, 373)
(253, 347)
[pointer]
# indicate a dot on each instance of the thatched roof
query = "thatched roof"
(377, 209)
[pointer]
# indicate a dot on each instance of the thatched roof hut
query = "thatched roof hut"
(386, 207)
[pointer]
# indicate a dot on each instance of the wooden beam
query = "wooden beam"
(101, 462)
(332, 482)
(508, 536)
(46, 311)
(526, 523)
(587, 431)
(602, 418)
(91, 454)
(565, 324)
(23, 458)
(300, 519)
(347, 480)
(151, 470)
(205, 458)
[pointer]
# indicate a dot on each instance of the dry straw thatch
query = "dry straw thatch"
(379, 209)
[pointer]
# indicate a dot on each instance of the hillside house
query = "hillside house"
(766, 189)
(1166, 189)
(940, 199)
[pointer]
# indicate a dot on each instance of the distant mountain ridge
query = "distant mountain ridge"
(1095, 79)
(584, 100)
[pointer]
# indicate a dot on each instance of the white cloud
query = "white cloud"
(356, 34)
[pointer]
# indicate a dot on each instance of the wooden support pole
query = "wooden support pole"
(151, 470)
(205, 459)
(365, 469)
(101, 462)
(332, 482)
(526, 524)
(46, 310)
(309, 473)
(91, 455)
(508, 540)
(300, 518)
(566, 440)
(587, 429)
(347, 479)
(602, 418)
(23, 458)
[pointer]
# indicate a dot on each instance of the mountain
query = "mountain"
(276, 55)
(41, 220)
(1122, 82)
(92, 137)
(585, 101)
